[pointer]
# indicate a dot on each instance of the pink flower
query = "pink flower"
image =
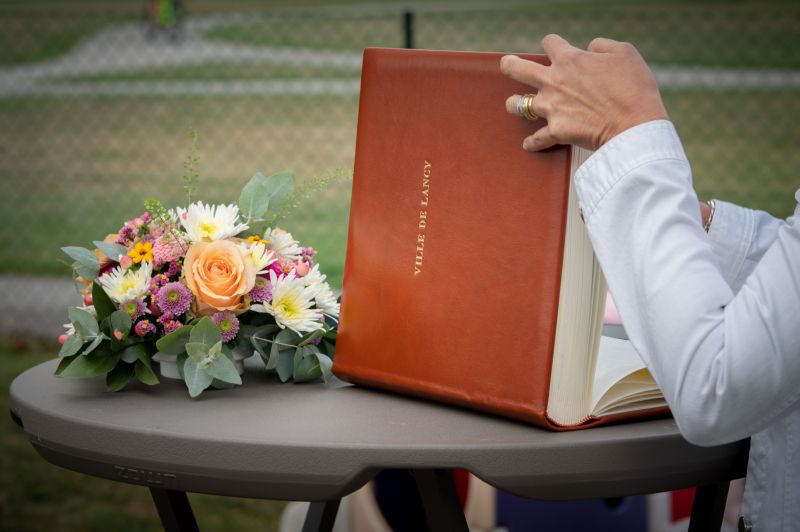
(228, 324)
(126, 262)
(87, 300)
(301, 268)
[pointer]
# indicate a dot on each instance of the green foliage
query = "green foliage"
(261, 194)
(110, 249)
(86, 264)
(71, 346)
(197, 379)
(174, 343)
(206, 332)
(83, 321)
(144, 371)
(102, 303)
(92, 365)
(118, 378)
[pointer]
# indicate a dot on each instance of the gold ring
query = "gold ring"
(525, 107)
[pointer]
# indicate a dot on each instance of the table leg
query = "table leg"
(174, 510)
(321, 516)
(437, 490)
(709, 507)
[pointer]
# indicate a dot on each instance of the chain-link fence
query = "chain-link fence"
(96, 102)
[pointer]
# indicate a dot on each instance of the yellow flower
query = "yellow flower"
(252, 239)
(142, 251)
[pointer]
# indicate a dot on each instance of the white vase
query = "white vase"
(168, 364)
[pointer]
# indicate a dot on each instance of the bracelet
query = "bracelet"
(713, 205)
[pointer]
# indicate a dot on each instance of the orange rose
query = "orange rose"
(218, 275)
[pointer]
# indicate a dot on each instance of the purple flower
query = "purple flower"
(262, 291)
(145, 217)
(157, 282)
(144, 327)
(228, 324)
(174, 298)
(169, 323)
(134, 308)
(173, 269)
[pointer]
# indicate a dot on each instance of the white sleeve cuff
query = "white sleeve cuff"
(652, 141)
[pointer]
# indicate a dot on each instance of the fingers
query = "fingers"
(512, 105)
(541, 140)
(523, 71)
(602, 45)
(554, 45)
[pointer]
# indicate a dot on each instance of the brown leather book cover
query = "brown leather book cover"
(456, 237)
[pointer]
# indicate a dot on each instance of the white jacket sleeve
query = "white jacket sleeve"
(727, 357)
(739, 238)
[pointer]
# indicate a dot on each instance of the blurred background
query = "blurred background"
(97, 99)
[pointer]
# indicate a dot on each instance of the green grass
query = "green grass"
(81, 167)
(38, 496)
(738, 34)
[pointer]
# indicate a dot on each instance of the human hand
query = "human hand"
(587, 97)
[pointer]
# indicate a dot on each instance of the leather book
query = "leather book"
(453, 287)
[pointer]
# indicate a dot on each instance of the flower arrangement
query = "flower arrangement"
(201, 288)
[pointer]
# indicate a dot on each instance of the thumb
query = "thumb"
(541, 140)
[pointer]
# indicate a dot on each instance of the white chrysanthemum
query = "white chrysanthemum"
(283, 244)
(324, 297)
(124, 285)
(291, 304)
(259, 255)
(326, 301)
(206, 223)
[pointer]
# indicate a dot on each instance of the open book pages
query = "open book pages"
(590, 376)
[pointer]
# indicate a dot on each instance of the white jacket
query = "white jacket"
(715, 316)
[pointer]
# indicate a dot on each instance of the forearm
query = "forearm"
(695, 334)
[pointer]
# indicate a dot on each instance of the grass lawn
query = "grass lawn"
(38, 496)
(81, 167)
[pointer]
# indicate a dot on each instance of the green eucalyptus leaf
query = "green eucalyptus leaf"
(311, 336)
(224, 369)
(120, 321)
(110, 249)
(71, 346)
(83, 321)
(325, 366)
(174, 343)
(197, 379)
(280, 189)
(144, 372)
(198, 352)
(254, 199)
(94, 365)
(86, 271)
(132, 353)
(285, 364)
(81, 255)
(117, 378)
(222, 385)
(205, 332)
(66, 361)
(95, 343)
(102, 303)
(306, 366)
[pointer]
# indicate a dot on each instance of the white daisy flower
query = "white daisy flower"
(124, 285)
(326, 301)
(206, 223)
(259, 255)
(324, 297)
(283, 244)
(291, 304)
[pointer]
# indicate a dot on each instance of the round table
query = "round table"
(319, 442)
